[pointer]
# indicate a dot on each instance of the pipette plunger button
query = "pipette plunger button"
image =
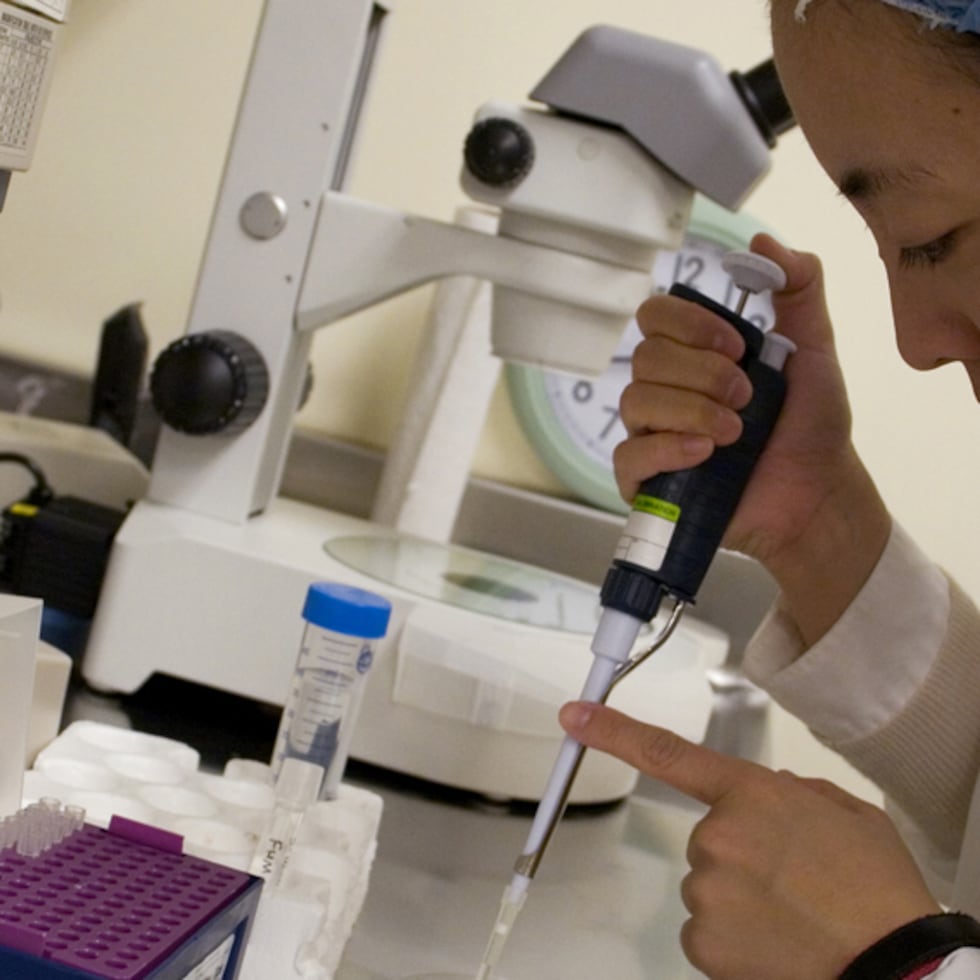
(753, 273)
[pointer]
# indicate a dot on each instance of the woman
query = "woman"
(869, 643)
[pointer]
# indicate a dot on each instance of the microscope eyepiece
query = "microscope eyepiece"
(762, 92)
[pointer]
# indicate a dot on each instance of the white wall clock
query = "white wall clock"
(573, 422)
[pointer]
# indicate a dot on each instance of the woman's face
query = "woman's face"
(896, 124)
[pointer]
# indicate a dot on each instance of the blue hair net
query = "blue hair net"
(963, 15)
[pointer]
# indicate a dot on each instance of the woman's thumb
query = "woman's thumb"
(801, 306)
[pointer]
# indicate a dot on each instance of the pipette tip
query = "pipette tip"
(511, 904)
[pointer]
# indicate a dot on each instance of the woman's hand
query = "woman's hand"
(810, 514)
(789, 877)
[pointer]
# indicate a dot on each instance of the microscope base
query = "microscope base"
(455, 696)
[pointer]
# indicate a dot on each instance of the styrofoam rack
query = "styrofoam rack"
(303, 925)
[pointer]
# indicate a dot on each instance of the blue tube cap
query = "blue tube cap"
(346, 609)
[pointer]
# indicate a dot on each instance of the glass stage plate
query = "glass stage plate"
(472, 580)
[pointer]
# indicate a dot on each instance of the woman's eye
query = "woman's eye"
(928, 255)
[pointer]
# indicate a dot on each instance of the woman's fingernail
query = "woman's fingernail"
(729, 426)
(576, 715)
(697, 445)
(739, 392)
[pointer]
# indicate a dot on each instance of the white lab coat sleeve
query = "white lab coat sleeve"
(964, 964)
(893, 688)
(870, 664)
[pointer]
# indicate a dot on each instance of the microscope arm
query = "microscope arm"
(386, 252)
(274, 269)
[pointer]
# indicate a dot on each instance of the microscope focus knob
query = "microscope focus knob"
(499, 151)
(209, 382)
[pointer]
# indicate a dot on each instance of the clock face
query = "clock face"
(573, 421)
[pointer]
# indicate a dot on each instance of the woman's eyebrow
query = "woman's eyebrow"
(866, 184)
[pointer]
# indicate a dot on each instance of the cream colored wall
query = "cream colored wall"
(117, 204)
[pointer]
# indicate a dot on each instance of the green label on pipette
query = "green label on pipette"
(657, 507)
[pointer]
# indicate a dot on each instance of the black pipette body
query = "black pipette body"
(679, 519)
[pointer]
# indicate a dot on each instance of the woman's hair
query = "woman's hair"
(962, 16)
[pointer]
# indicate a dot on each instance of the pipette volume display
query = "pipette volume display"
(670, 539)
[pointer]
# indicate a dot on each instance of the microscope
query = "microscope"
(207, 574)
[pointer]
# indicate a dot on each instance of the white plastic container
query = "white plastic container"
(334, 658)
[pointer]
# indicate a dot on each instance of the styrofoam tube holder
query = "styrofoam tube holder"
(118, 772)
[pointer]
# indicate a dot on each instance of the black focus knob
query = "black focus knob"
(499, 151)
(209, 382)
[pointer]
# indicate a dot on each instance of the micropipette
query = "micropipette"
(675, 527)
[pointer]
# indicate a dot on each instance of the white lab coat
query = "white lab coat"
(894, 687)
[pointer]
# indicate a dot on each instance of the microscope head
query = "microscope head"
(711, 129)
(581, 190)
(631, 128)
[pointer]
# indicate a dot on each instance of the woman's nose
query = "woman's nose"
(917, 345)
(930, 333)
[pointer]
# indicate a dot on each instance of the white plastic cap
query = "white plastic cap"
(775, 349)
(298, 782)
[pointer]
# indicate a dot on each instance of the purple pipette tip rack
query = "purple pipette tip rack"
(117, 904)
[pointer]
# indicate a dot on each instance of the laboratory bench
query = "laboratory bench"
(605, 902)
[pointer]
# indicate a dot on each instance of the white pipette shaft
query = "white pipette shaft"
(611, 645)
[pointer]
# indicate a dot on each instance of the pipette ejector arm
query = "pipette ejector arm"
(711, 129)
